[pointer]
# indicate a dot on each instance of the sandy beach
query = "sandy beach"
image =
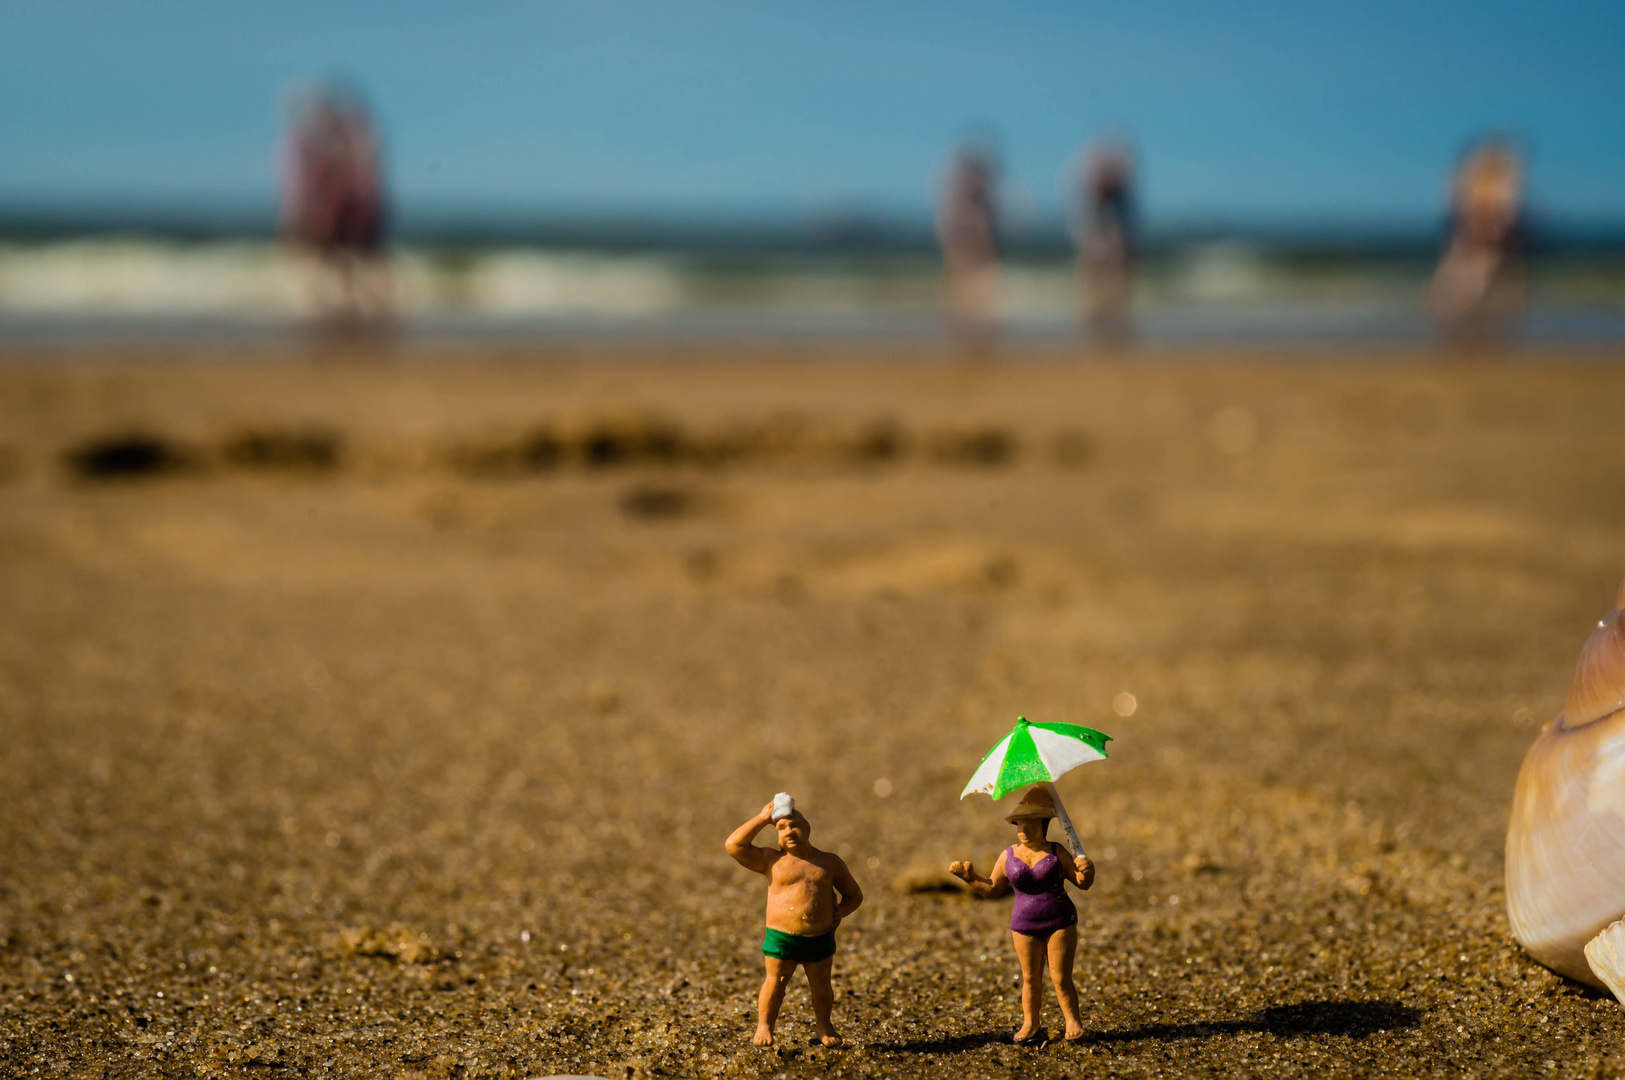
(386, 717)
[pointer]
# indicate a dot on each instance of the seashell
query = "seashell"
(1565, 854)
(1606, 955)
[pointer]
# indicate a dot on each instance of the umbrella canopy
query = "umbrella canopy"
(1035, 754)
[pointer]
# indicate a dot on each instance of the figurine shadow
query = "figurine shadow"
(947, 1044)
(1350, 1019)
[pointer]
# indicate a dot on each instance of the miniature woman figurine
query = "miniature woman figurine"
(1044, 923)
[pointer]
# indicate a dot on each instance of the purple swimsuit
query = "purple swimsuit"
(1042, 906)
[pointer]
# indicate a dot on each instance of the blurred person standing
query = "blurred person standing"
(1477, 292)
(334, 210)
(968, 231)
(1105, 233)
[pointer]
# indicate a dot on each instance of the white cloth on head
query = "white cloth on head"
(783, 805)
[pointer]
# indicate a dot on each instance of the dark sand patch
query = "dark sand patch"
(132, 455)
(315, 449)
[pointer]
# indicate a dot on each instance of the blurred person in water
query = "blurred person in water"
(1105, 234)
(334, 210)
(968, 231)
(1478, 289)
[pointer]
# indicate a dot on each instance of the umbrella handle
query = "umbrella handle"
(1067, 830)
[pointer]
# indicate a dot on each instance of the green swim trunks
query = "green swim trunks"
(797, 947)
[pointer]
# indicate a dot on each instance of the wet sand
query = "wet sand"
(381, 722)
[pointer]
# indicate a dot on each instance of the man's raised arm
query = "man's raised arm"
(747, 854)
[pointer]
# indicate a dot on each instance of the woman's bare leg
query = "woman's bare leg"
(771, 997)
(823, 999)
(1063, 946)
(1030, 951)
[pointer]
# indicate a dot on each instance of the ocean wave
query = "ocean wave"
(263, 281)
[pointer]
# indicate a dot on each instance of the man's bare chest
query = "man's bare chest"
(791, 871)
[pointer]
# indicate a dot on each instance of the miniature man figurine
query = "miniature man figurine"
(809, 892)
(1044, 921)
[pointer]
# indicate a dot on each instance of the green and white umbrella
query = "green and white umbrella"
(1038, 754)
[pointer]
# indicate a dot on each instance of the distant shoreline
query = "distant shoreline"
(107, 288)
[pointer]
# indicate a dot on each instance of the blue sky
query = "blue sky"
(1310, 110)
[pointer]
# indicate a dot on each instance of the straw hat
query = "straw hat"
(1037, 803)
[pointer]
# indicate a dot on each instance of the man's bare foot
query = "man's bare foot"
(763, 1036)
(829, 1038)
(1074, 1032)
(1026, 1034)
